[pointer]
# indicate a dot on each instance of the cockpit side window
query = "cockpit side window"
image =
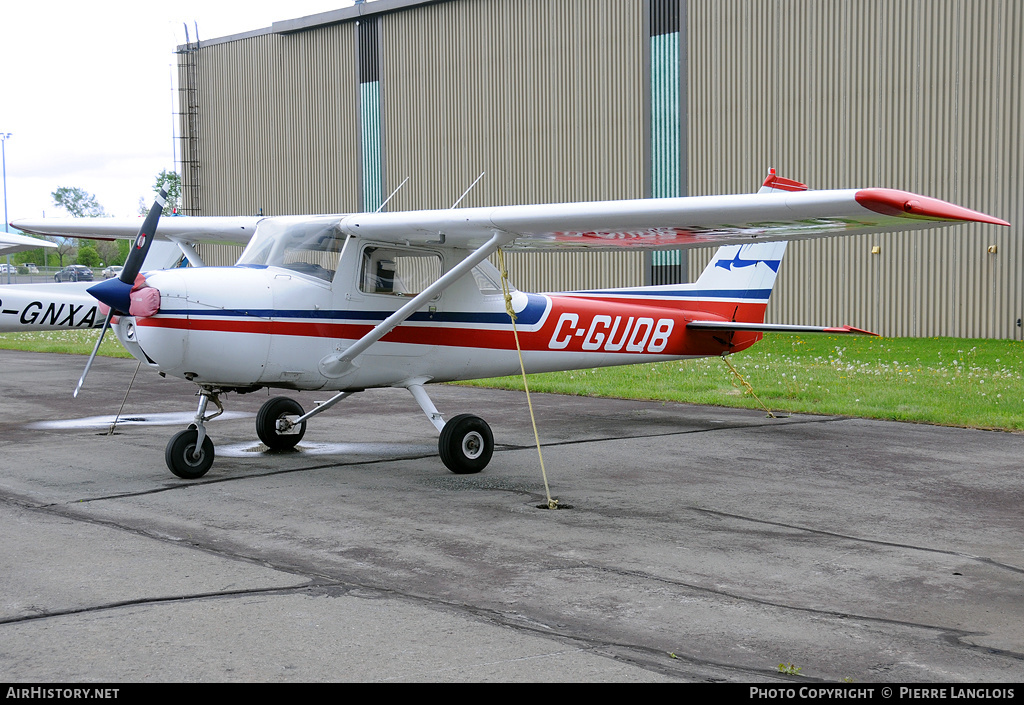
(387, 270)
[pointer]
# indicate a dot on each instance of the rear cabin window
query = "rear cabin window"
(488, 278)
(394, 272)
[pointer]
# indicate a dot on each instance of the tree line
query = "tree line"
(79, 203)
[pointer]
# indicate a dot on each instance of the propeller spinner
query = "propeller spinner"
(116, 293)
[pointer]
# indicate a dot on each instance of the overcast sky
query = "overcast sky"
(86, 91)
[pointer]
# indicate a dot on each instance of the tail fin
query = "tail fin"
(747, 272)
(743, 268)
(774, 183)
(739, 279)
(743, 276)
(730, 297)
(735, 285)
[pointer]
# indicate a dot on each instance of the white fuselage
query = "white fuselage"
(274, 326)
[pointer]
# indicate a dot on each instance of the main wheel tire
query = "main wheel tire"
(466, 444)
(179, 455)
(266, 423)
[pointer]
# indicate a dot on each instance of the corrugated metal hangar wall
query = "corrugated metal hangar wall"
(566, 100)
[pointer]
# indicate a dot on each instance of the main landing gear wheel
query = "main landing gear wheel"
(466, 444)
(267, 423)
(180, 455)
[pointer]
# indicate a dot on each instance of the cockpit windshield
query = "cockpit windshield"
(306, 245)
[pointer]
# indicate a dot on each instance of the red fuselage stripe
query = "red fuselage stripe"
(574, 324)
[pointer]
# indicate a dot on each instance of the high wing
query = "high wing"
(663, 223)
(670, 222)
(11, 243)
(226, 229)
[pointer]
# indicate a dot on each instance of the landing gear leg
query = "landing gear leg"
(189, 453)
(466, 442)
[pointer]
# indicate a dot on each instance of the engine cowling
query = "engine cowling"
(213, 325)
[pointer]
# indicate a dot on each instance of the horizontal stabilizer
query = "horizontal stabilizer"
(773, 327)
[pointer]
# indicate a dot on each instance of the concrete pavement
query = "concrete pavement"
(854, 549)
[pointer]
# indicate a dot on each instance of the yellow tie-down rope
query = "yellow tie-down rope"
(749, 388)
(552, 503)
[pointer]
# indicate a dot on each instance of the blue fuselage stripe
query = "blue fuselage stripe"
(529, 316)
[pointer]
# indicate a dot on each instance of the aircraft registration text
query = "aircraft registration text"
(632, 334)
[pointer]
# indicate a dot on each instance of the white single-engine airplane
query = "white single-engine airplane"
(350, 302)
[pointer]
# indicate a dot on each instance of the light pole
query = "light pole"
(4, 136)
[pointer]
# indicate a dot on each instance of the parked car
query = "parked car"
(8, 269)
(74, 273)
(31, 268)
(112, 271)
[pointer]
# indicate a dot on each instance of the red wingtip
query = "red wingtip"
(849, 329)
(889, 201)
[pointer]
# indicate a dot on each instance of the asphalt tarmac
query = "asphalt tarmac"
(702, 544)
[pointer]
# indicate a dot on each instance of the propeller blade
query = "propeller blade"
(103, 331)
(116, 293)
(145, 238)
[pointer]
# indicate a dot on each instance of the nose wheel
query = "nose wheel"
(189, 454)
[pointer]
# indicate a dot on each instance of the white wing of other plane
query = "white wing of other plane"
(230, 229)
(11, 243)
(663, 223)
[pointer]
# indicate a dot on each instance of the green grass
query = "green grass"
(72, 342)
(950, 381)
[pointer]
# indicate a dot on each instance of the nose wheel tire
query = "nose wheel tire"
(267, 428)
(466, 444)
(181, 455)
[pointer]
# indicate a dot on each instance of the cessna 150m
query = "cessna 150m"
(351, 302)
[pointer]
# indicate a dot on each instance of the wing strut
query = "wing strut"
(190, 253)
(338, 364)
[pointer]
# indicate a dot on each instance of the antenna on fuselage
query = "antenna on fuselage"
(381, 206)
(466, 192)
